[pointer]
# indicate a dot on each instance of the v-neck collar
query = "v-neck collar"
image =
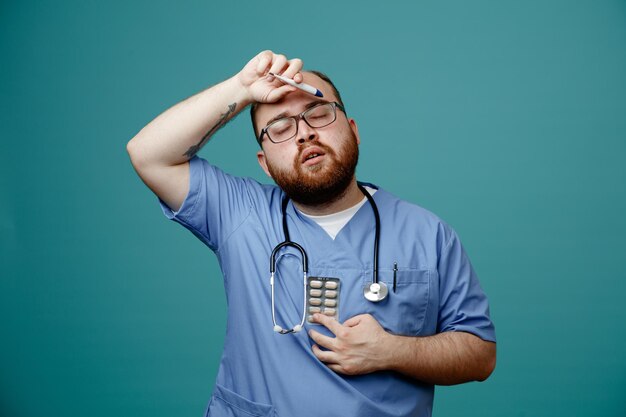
(309, 231)
(311, 219)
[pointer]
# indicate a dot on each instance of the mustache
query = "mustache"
(327, 150)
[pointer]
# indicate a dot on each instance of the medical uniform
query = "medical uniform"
(263, 373)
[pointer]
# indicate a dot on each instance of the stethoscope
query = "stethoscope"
(374, 292)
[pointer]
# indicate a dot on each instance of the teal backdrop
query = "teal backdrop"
(507, 119)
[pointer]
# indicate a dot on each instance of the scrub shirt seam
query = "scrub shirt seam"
(447, 247)
(443, 253)
(191, 210)
(196, 191)
(236, 406)
(182, 215)
(464, 328)
(239, 225)
(427, 302)
(185, 217)
(234, 230)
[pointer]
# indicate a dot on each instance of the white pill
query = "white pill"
(329, 311)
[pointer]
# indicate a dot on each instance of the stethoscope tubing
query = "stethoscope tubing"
(305, 262)
(376, 232)
(305, 270)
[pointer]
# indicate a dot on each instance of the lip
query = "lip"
(308, 152)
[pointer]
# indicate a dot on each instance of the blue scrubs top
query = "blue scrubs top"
(263, 373)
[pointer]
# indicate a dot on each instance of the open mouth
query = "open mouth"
(312, 156)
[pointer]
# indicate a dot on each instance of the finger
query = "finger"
(280, 92)
(336, 367)
(293, 67)
(322, 340)
(326, 356)
(265, 59)
(278, 64)
(332, 324)
(353, 321)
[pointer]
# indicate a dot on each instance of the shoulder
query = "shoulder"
(259, 194)
(413, 218)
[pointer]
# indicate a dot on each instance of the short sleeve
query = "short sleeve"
(217, 203)
(463, 305)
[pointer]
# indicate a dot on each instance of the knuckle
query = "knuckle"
(341, 347)
(349, 369)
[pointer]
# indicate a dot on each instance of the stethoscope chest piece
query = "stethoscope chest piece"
(376, 291)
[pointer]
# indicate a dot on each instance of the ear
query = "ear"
(260, 155)
(355, 130)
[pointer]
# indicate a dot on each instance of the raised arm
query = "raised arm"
(160, 152)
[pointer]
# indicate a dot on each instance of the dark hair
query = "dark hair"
(320, 74)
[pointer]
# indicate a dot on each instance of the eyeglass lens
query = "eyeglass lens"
(285, 129)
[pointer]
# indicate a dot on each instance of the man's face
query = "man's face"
(323, 178)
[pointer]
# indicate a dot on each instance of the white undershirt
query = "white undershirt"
(333, 223)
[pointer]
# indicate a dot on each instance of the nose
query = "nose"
(305, 132)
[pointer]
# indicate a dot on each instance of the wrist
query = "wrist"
(240, 92)
(389, 350)
(399, 351)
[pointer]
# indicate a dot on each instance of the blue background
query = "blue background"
(505, 118)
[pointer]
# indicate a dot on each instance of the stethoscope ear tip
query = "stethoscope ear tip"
(297, 328)
(278, 329)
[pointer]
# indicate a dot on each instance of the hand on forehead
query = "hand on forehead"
(296, 101)
(312, 80)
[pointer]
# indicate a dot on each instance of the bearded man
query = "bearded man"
(370, 300)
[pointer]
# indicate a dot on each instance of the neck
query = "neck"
(349, 198)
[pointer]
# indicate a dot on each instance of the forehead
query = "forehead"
(295, 102)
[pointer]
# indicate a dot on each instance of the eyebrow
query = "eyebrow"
(286, 114)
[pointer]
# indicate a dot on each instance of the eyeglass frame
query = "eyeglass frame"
(299, 117)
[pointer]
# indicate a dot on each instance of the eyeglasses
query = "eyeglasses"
(282, 130)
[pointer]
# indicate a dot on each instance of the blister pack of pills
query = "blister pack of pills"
(322, 297)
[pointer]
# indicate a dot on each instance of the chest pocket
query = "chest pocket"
(404, 311)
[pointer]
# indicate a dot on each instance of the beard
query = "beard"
(322, 183)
